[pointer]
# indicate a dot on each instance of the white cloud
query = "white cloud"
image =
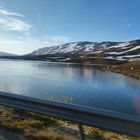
(9, 41)
(9, 21)
(20, 46)
(12, 24)
(59, 38)
(23, 43)
(9, 13)
(56, 40)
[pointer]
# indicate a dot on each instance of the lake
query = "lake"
(86, 85)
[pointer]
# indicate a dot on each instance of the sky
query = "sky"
(26, 25)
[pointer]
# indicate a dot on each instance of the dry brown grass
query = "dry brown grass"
(32, 125)
(40, 127)
(130, 68)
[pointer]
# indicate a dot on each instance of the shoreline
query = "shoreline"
(126, 74)
(102, 66)
(131, 69)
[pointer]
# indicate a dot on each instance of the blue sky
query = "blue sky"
(30, 24)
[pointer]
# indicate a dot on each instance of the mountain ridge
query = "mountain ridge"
(73, 48)
(107, 49)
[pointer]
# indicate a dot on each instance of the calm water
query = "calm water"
(86, 85)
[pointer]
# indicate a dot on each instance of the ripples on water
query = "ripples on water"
(87, 85)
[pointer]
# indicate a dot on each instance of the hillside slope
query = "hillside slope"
(108, 50)
(130, 68)
(75, 48)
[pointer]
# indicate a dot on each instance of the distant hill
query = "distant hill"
(75, 48)
(108, 50)
(6, 54)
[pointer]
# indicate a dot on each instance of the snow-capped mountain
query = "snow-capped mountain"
(109, 50)
(75, 48)
(127, 50)
(6, 54)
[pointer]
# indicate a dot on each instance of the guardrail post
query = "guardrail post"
(82, 135)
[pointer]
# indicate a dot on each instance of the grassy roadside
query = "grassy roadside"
(39, 127)
(32, 125)
(130, 69)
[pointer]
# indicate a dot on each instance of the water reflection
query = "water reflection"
(87, 85)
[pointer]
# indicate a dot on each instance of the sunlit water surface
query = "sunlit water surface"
(86, 85)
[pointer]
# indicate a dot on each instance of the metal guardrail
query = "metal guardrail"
(124, 123)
